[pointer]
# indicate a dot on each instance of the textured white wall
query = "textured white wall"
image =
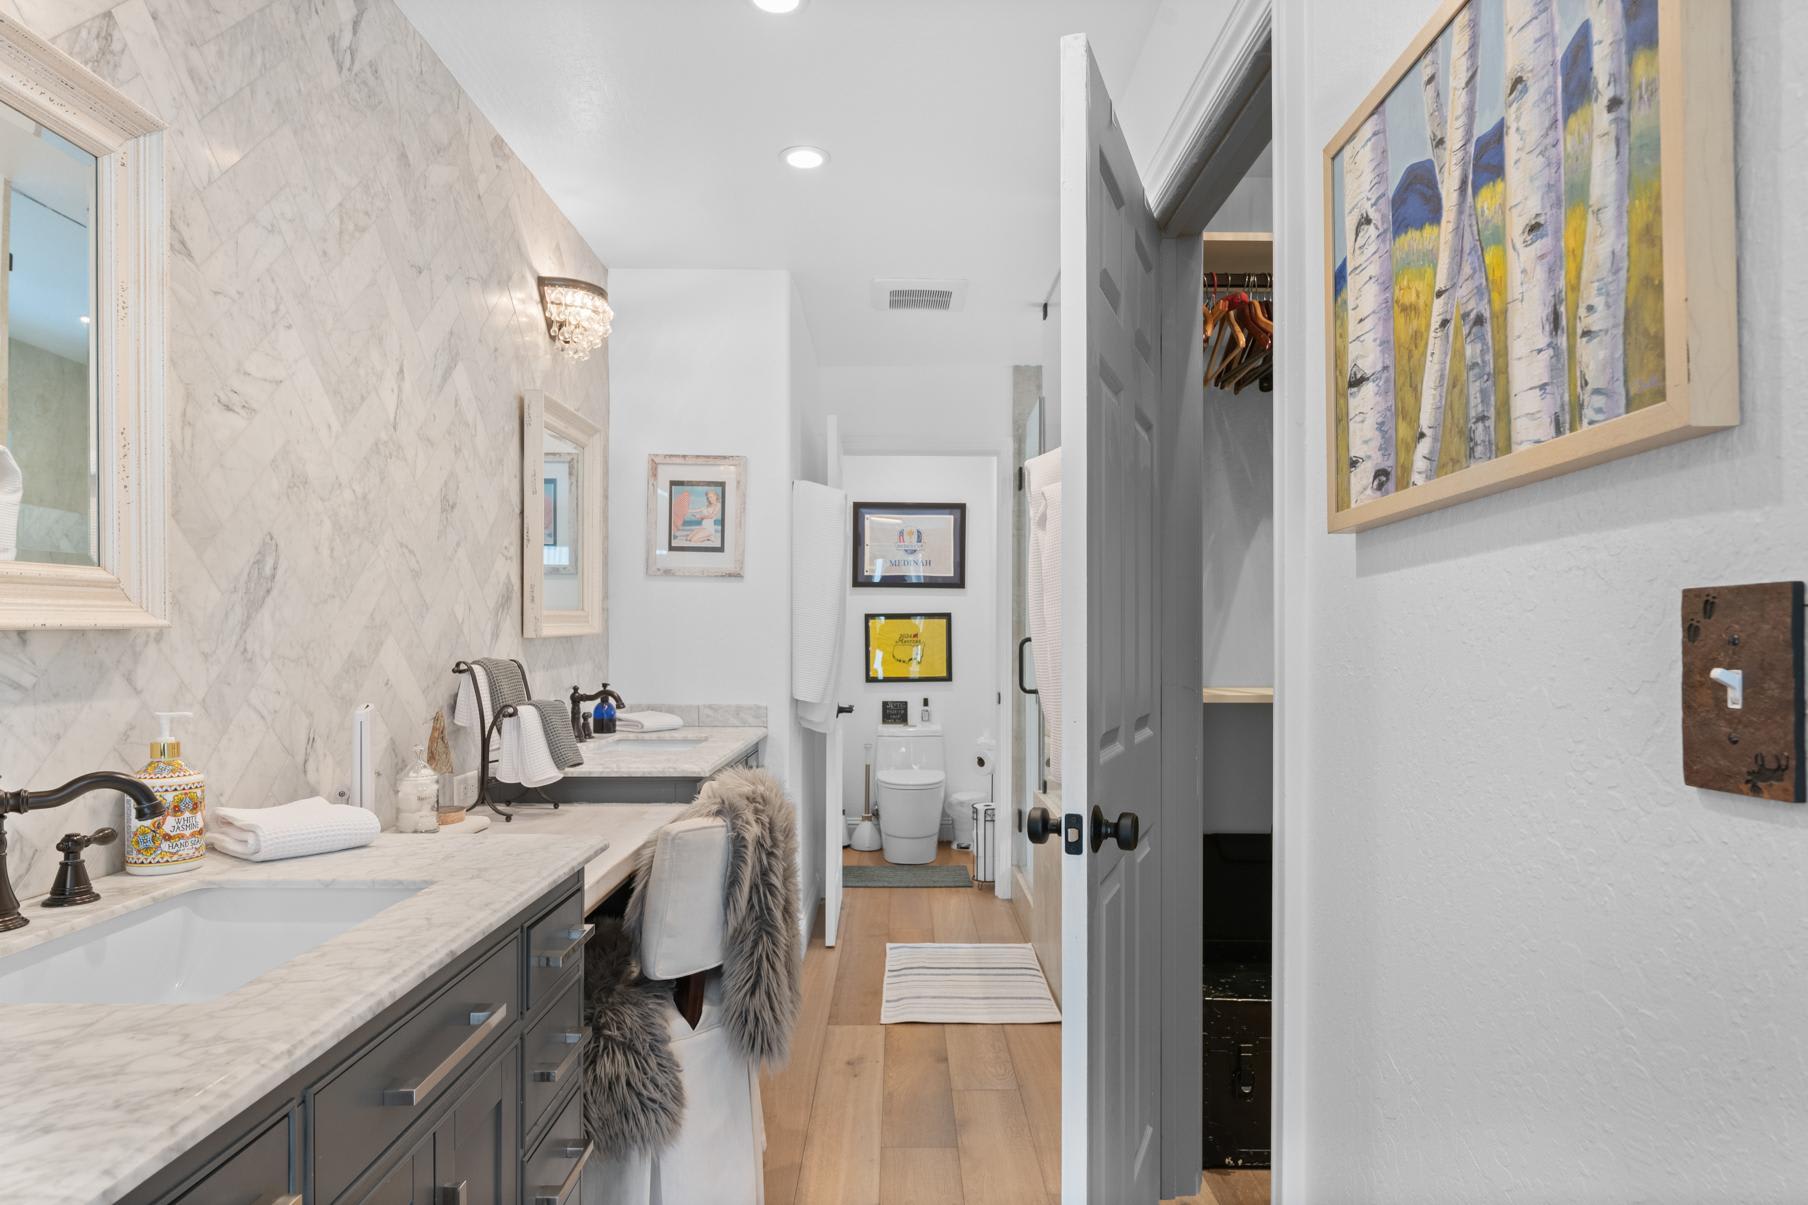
(1536, 966)
(353, 318)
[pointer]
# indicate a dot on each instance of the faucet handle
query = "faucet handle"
(75, 843)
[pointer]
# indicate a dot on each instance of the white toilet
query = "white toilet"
(909, 781)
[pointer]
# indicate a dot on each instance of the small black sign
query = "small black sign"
(894, 711)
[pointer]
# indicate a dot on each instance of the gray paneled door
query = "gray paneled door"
(1111, 358)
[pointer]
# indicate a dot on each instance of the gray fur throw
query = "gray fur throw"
(762, 974)
(633, 1085)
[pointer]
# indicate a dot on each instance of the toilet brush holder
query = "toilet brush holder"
(866, 833)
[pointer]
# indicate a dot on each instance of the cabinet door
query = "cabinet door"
(477, 1148)
(409, 1182)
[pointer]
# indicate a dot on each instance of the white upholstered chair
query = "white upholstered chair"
(718, 1156)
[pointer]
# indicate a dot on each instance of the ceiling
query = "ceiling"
(657, 125)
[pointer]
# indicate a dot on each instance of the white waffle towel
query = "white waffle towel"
(524, 755)
(647, 721)
(291, 830)
(12, 491)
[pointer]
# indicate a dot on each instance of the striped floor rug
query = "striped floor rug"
(951, 983)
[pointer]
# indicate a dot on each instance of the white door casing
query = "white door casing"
(1111, 746)
(834, 823)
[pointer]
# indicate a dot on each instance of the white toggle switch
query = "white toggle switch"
(1734, 681)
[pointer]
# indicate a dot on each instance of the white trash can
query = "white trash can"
(985, 842)
(960, 812)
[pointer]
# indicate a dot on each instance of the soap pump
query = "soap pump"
(175, 841)
(924, 720)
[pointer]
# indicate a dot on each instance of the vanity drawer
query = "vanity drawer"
(552, 1056)
(555, 946)
(556, 1166)
(359, 1110)
(258, 1172)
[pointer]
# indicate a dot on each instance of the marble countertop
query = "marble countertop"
(694, 753)
(153, 1080)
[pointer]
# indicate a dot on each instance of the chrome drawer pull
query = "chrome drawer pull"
(546, 1195)
(552, 1075)
(488, 1020)
(556, 958)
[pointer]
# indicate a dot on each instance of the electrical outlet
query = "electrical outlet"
(1742, 690)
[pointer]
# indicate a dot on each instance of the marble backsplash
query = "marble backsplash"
(354, 316)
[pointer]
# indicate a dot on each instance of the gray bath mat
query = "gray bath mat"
(905, 876)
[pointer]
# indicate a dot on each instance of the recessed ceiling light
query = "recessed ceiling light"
(805, 158)
(778, 6)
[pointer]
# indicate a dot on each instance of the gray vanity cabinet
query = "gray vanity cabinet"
(429, 1103)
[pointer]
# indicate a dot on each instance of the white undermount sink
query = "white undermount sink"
(190, 947)
(651, 744)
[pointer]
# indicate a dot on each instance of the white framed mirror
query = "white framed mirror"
(564, 481)
(84, 230)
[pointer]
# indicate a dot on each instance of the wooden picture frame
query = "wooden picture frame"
(585, 466)
(934, 630)
(715, 542)
(921, 551)
(129, 587)
(1693, 386)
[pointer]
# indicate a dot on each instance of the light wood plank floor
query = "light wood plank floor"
(866, 1114)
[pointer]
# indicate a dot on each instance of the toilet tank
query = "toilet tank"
(918, 747)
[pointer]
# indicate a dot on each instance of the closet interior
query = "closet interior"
(1237, 822)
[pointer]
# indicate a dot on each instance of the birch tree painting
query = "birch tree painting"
(1537, 333)
(1497, 234)
(1368, 231)
(1601, 309)
(1457, 268)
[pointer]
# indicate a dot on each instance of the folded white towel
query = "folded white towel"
(291, 830)
(647, 721)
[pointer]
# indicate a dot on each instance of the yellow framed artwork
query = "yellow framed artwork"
(910, 648)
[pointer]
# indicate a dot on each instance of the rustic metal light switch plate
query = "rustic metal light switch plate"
(1752, 635)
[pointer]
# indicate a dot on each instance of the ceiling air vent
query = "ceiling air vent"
(919, 294)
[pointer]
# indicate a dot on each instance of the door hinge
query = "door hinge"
(1020, 479)
(1045, 311)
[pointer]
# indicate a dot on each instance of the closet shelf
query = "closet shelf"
(1239, 694)
(1251, 252)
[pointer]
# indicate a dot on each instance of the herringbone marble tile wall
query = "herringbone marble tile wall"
(353, 319)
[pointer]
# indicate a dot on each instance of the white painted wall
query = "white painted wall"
(915, 408)
(1524, 961)
(808, 463)
(967, 706)
(1179, 38)
(703, 362)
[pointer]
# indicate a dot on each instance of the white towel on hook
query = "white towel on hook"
(12, 492)
(292, 830)
(1043, 484)
(819, 550)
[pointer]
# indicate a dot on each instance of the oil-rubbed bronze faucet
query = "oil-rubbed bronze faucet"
(145, 806)
(578, 699)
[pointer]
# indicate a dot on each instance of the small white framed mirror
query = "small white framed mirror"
(84, 231)
(564, 481)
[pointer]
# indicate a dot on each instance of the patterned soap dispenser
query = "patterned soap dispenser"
(174, 841)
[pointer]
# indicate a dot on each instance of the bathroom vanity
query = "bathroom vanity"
(421, 1031)
(648, 767)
